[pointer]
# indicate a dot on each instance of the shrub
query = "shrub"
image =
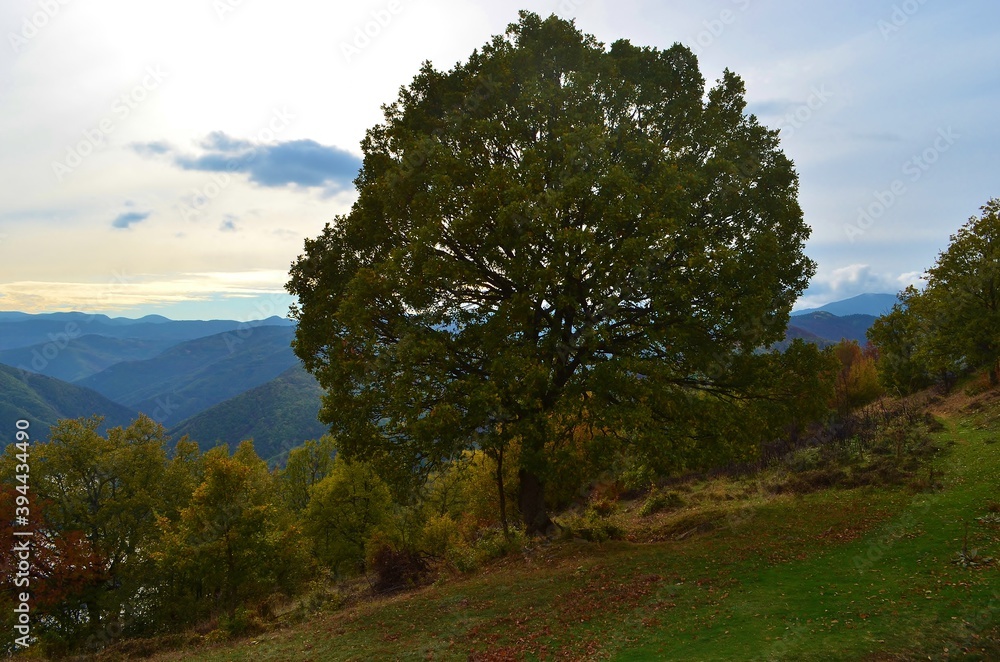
(396, 569)
(592, 526)
(320, 594)
(634, 475)
(462, 557)
(439, 535)
(242, 622)
(810, 481)
(805, 459)
(493, 544)
(659, 500)
(857, 383)
(933, 423)
(603, 507)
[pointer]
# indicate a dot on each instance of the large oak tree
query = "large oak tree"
(553, 229)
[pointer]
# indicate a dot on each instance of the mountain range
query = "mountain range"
(220, 381)
(874, 305)
(67, 365)
(191, 376)
(56, 330)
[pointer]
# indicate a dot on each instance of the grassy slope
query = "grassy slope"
(860, 574)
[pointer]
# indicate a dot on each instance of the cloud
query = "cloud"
(133, 292)
(219, 141)
(852, 280)
(304, 163)
(129, 218)
(155, 148)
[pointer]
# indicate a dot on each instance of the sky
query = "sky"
(172, 157)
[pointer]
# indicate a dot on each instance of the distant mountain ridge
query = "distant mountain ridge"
(192, 376)
(874, 305)
(83, 318)
(59, 329)
(169, 369)
(848, 319)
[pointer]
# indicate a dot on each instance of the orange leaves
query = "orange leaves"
(63, 564)
(857, 382)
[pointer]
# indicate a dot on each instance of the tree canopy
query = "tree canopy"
(954, 323)
(550, 231)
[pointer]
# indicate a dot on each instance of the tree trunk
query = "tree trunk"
(503, 497)
(94, 615)
(531, 499)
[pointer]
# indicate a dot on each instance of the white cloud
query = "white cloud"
(123, 291)
(852, 280)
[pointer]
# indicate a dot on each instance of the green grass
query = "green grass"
(859, 574)
(892, 590)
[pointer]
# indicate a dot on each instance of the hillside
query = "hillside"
(278, 416)
(793, 332)
(774, 566)
(192, 376)
(832, 327)
(82, 357)
(43, 400)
